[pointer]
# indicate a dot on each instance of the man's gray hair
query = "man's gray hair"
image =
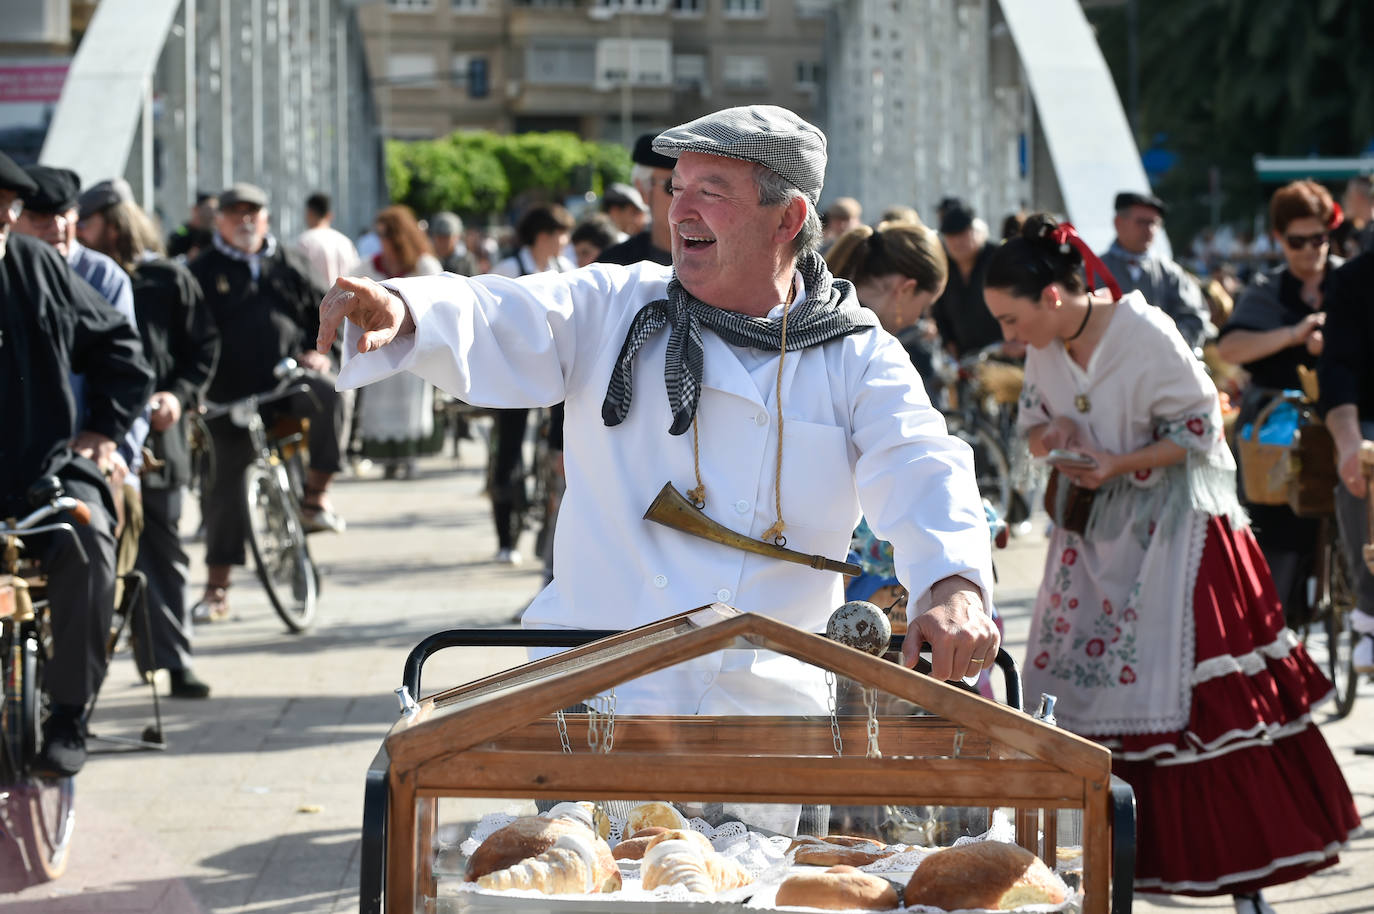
(775, 190)
(642, 179)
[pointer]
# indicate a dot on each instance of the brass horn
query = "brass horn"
(672, 509)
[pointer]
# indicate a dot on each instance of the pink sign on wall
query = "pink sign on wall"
(32, 81)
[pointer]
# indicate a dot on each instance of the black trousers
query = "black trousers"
(81, 599)
(507, 473)
(164, 563)
(222, 499)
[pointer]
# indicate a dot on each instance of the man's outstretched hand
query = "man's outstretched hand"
(381, 315)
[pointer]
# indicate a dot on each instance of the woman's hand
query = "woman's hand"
(1108, 466)
(1301, 333)
(1062, 434)
(381, 315)
(1352, 472)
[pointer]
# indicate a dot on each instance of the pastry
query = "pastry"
(844, 850)
(985, 874)
(686, 858)
(529, 837)
(633, 847)
(572, 866)
(840, 888)
(584, 813)
(647, 815)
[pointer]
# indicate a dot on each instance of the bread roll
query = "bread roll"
(985, 874)
(840, 888)
(686, 858)
(584, 813)
(529, 837)
(844, 850)
(647, 815)
(567, 868)
(633, 847)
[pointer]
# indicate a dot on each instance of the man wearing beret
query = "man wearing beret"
(1164, 283)
(680, 375)
(652, 172)
(52, 324)
(265, 307)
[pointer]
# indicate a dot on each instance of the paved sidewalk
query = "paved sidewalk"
(256, 805)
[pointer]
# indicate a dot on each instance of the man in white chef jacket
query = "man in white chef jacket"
(673, 375)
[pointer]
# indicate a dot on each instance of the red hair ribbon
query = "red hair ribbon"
(1064, 234)
(1337, 216)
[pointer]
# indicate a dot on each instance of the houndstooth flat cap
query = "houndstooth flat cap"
(771, 136)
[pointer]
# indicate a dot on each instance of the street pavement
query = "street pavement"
(256, 803)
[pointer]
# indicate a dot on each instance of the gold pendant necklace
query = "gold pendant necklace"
(1082, 403)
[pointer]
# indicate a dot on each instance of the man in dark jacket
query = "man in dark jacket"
(652, 177)
(51, 324)
(266, 309)
(181, 345)
(962, 316)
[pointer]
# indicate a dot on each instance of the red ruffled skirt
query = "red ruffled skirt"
(1248, 794)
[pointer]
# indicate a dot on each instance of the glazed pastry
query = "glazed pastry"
(986, 874)
(647, 815)
(587, 814)
(633, 847)
(570, 867)
(531, 836)
(686, 858)
(810, 851)
(840, 888)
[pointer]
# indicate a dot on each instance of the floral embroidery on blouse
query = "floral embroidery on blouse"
(1194, 432)
(1090, 646)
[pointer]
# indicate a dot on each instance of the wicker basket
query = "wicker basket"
(1264, 468)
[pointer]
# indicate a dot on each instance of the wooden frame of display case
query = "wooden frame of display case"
(971, 753)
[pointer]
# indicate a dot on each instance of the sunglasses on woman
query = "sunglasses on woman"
(1298, 242)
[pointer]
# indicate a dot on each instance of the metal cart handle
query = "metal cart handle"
(485, 637)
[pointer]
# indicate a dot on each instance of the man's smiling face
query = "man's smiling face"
(725, 245)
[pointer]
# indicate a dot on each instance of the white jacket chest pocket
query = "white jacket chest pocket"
(817, 481)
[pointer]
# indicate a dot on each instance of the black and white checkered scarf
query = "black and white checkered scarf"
(831, 310)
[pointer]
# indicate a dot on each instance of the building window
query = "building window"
(812, 9)
(746, 72)
(744, 9)
(561, 64)
(689, 7)
(410, 6)
(469, 6)
(564, 4)
(411, 69)
(644, 62)
(689, 72)
(632, 6)
(809, 75)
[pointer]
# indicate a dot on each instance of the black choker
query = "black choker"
(1083, 326)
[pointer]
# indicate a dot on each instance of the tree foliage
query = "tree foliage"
(1222, 81)
(479, 174)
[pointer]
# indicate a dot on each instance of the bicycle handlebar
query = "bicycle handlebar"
(254, 401)
(80, 511)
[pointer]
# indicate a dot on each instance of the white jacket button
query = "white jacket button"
(660, 581)
(742, 506)
(722, 595)
(761, 419)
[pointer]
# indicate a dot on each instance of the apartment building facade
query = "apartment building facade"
(604, 69)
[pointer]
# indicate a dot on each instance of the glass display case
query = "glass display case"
(869, 763)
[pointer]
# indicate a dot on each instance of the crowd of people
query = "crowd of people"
(1160, 622)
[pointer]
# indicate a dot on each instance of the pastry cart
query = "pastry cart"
(896, 740)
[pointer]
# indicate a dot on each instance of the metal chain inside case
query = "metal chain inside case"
(601, 723)
(830, 689)
(562, 731)
(871, 704)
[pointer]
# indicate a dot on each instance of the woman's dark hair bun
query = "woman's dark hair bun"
(1031, 261)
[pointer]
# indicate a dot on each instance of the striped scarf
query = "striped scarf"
(830, 310)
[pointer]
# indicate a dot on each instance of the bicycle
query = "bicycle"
(37, 813)
(272, 493)
(981, 411)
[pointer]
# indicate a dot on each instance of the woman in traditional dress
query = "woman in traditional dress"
(397, 415)
(1275, 328)
(1157, 624)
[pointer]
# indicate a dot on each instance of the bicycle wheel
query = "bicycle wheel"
(22, 711)
(990, 463)
(278, 541)
(1340, 638)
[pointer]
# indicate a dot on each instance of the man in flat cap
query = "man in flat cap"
(679, 375)
(266, 309)
(1164, 283)
(650, 176)
(52, 323)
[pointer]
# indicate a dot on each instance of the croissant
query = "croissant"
(686, 858)
(570, 867)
